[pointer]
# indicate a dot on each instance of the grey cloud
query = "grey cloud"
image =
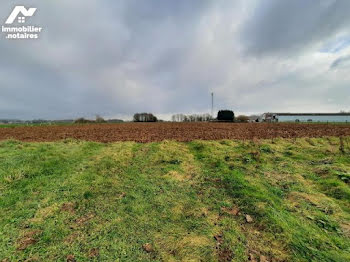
(88, 39)
(287, 27)
(119, 57)
(341, 62)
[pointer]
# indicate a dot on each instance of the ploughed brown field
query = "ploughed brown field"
(149, 132)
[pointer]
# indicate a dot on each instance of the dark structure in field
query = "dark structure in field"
(306, 117)
(226, 115)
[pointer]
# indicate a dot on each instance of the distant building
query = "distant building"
(306, 117)
(254, 118)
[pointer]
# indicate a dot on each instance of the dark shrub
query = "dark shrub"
(226, 115)
(82, 121)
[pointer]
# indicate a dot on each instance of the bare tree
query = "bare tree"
(191, 118)
(100, 119)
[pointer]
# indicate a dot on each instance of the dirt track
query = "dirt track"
(147, 132)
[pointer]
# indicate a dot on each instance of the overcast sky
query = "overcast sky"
(118, 57)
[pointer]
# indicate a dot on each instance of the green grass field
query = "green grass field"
(271, 200)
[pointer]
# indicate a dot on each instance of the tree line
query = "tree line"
(191, 118)
(145, 117)
(223, 116)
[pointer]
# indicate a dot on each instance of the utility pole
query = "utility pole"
(212, 105)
